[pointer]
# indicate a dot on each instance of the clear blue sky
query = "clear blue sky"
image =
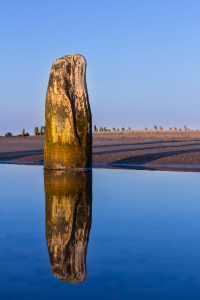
(143, 60)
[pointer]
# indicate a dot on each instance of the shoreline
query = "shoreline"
(175, 168)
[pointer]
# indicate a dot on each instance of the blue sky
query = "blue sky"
(143, 66)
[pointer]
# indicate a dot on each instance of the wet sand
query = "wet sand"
(163, 150)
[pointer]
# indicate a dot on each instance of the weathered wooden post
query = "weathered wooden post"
(41, 130)
(23, 132)
(155, 127)
(185, 127)
(68, 120)
(100, 129)
(104, 129)
(36, 131)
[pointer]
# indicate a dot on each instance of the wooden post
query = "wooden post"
(68, 119)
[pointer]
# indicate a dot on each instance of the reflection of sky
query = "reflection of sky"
(144, 240)
(143, 60)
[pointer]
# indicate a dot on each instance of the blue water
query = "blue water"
(144, 236)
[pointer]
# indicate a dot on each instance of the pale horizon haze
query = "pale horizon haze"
(143, 66)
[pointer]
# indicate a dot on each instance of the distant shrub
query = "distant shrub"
(155, 127)
(123, 129)
(42, 130)
(175, 128)
(129, 128)
(146, 128)
(185, 127)
(36, 131)
(161, 128)
(8, 134)
(180, 129)
(113, 129)
(170, 128)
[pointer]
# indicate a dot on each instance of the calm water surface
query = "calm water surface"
(104, 234)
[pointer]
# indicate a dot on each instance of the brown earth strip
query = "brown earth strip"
(167, 150)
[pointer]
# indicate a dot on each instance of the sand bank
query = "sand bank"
(165, 150)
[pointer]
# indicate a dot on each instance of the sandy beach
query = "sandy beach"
(170, 150)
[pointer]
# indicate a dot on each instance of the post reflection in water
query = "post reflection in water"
(68, 217)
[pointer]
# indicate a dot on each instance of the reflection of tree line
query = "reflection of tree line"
(68, 198)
